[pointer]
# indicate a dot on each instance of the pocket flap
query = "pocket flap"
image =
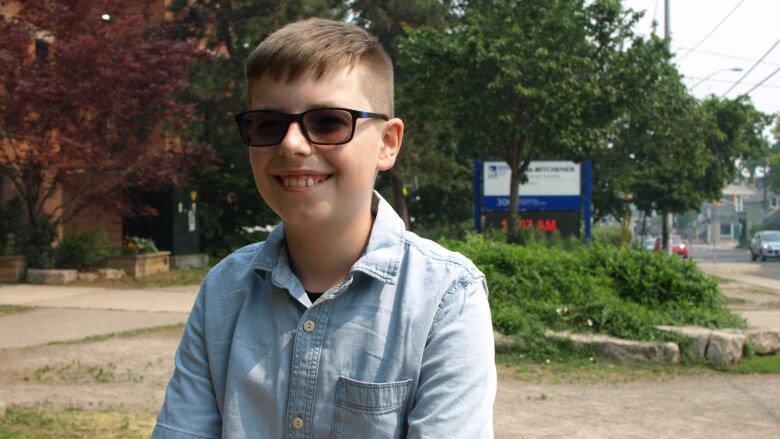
(363, 396)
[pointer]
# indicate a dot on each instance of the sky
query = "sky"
(743, 38)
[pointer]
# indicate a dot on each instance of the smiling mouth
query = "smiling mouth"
(301, 181)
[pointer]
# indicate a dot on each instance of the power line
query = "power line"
(762, 81)
(717, 26)
(726, 81)
(726, 55)
(753, 67)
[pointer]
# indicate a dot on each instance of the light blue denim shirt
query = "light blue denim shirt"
(403, 348)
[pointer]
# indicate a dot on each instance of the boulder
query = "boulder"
(623, 350)
(725, 348)
(89, 277)
(765, 341)
(51, 277)
(721, 346)
(695, 339)
(111, 273)
(507, 342)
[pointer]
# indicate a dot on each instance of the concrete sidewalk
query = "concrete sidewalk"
(70, 313)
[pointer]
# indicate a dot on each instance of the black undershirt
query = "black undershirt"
(313, 296)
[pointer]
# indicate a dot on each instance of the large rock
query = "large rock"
(623, 350)
(87, 276)
(51, 277)
(765, 341)
(695, 339)
(505, 343)
(111, 273)
(725, 348)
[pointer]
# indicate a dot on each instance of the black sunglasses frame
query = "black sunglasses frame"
(356, 114)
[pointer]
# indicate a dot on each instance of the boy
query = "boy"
(341, 324)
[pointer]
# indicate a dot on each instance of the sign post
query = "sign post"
(556, 193)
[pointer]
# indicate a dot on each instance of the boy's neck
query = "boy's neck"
(321, 257)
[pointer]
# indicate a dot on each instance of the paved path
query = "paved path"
(70, 313)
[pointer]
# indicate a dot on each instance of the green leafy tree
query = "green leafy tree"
(419, 165)
(772, 161)
(228, 201)
(524, 80)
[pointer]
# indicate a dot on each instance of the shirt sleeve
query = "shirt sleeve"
(190, 409)
(457, 384)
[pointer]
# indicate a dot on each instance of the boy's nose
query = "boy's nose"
(294, 142)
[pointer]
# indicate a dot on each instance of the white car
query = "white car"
(766, 244)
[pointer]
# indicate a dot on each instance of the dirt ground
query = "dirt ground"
(130, 374)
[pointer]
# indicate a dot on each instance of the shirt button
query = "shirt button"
(297, 423)
(309, 326)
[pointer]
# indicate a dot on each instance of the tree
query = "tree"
(427, 167)
(90, 113)
(231, 29)
(772, 161)
(668, 151)
(525, 80)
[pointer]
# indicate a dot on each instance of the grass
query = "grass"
(76, 372)
(32, 423)
(13, 309)
(176, 328)
(757, 364)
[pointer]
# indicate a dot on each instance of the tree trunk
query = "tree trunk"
(514, 183)
(665, 226)
(398, 197)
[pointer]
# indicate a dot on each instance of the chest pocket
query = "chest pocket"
(371, 410)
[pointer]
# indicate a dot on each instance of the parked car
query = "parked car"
(765, 244)
(679, 246)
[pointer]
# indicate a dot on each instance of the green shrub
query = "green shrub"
(609, 235)
(621, 292)
(11, 227)
(83, 251)
(36, 243)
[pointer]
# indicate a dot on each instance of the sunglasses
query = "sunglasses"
(320, 126)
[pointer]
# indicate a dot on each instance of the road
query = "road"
(769, 269)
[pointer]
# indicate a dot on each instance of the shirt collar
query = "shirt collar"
(381, 259)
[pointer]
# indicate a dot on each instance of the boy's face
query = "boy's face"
(338, 179)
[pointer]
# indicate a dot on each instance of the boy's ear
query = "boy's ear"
(392, 135)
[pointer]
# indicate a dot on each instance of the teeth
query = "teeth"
(296, 182)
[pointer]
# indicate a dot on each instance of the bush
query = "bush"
(83, 251)
(609, 235)
(11, 227)
(621, 292)
(36, 243)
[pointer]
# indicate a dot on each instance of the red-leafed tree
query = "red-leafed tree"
(87, 105)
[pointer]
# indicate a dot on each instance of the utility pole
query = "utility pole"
(666, 226)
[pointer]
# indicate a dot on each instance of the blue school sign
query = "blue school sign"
(554, 188)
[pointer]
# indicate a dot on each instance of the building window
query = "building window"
(725, 230)
(773, 202)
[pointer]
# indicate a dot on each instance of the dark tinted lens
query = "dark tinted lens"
(264, 128)
(328, 126)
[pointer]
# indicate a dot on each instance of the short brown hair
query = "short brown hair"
(321, 47)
